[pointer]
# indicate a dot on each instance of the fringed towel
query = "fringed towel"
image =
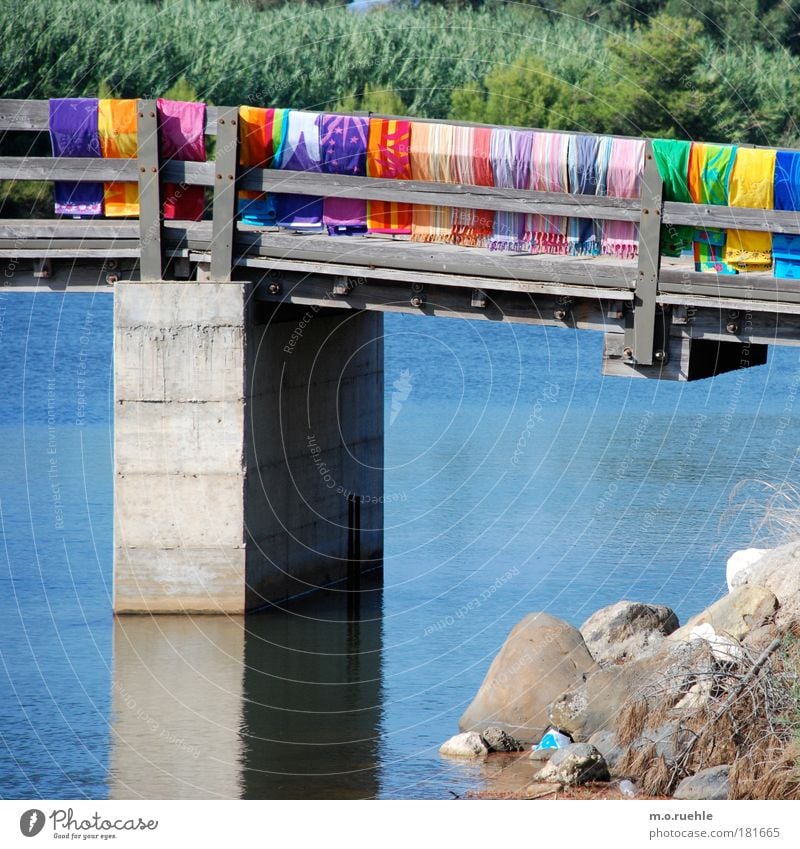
(431, 147)
(620, 166)
(472, 166)
(751, 185)
(73, 133)
(549, 173)
(581, 236)
(261, 132)
(116, 125)
(300, 152)
(343, 143)
(709, 172)
(388, 156)
(511, 169)
(181, 129)
(672, 159)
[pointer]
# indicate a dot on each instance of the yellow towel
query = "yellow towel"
(116, 125)
(751, 185)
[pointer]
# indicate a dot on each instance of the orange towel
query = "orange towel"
(116, 124)
(388, 157)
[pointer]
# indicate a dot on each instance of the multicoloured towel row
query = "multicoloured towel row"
(477, 156)
(88, 127)
(726, 175)
(295, 140)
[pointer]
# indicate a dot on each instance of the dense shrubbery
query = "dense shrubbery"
(721, 73)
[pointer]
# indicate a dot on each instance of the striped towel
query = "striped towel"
(388, 157)
(343, 144)
(261, 132)
(181, 136)
(74, 133)
(511, 167)
(622, 162)
(751, 185)
(472, 166)
(116, 124)
(581, 236)
(709, 172)
(431, 147)
(549, 173)
(300, 152)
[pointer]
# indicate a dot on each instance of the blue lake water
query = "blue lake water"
(517, 479)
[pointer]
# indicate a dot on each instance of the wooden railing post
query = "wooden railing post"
(644, 312)
(151, 260)
(223, 230)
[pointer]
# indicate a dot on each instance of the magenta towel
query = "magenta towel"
(73, 132)
(181, 136)
(343, 148)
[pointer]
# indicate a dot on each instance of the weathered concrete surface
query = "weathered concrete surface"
(237, 445)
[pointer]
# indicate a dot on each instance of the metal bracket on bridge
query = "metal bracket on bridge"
(478, 299)
(417, 295)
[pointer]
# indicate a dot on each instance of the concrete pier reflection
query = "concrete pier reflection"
(282, 704)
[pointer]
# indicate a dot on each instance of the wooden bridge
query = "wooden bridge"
(248, 361)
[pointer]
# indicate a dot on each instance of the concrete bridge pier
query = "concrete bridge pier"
(248, 448)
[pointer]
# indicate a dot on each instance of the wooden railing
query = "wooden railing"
(152, 241)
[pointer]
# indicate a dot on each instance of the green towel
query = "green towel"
(672, 159)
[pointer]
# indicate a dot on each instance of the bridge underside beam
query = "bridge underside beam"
(248, 466)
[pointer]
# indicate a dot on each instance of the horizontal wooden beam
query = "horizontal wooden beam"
(99, 170)
(731, 217)
(441, 194)
(34, 116)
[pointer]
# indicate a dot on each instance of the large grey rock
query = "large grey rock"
(711, 783)
(594, 704)
(779, 571)
(542, 657)
(469, 745)
(736, 614)
(627, 629)
(576, 763)
(499, 741)
(606, 743)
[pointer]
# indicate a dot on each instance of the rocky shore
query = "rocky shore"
(707, 710)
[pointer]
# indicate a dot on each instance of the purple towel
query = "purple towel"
(73, 132)
(300, 152)
(343, 143)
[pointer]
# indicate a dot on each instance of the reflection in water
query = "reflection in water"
(283, 704)
(312, 698)
(177, 707)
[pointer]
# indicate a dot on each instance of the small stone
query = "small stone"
(606, 743)
(541, 788)
(574, 764)
(469, 745)
(542, 755)
(708, 784)
(499, 741)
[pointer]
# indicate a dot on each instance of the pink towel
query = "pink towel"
(622, 179)
(549, 173)
(181, 128)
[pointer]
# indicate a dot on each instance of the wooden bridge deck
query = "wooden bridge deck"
(645, 302)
